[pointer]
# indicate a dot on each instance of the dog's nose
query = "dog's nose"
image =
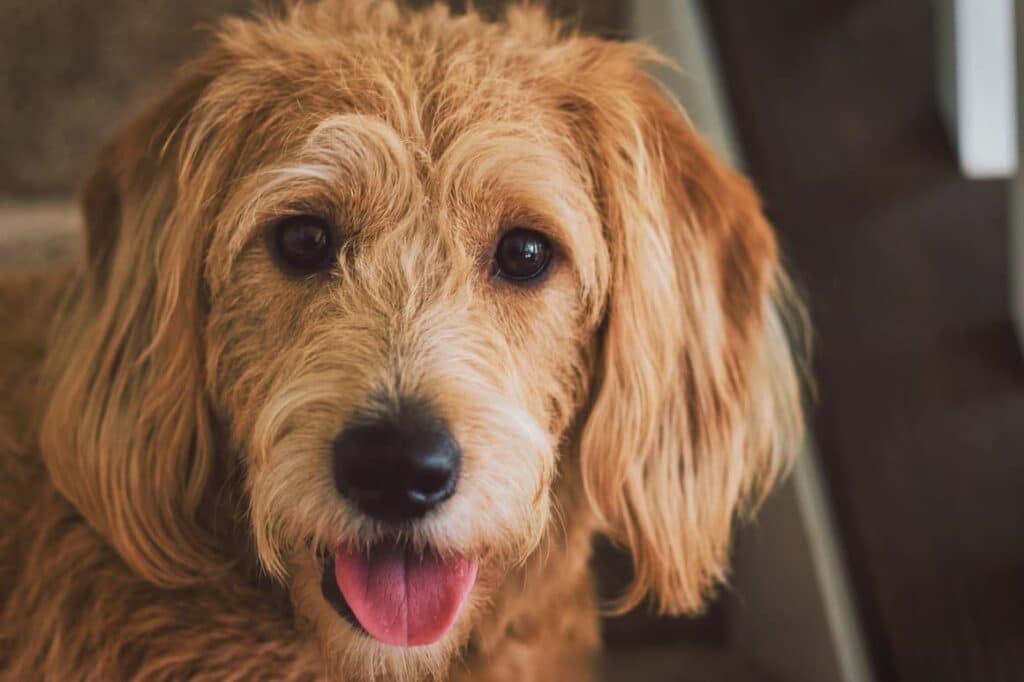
(396, 469)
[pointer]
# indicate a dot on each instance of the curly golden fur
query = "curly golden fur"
(169, 401)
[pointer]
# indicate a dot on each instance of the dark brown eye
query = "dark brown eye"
(303, 244)
(522, 255)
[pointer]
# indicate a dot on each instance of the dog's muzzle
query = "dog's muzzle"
(396, 469)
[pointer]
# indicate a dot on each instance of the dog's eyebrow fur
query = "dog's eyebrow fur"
(518, 168)
(346, 163)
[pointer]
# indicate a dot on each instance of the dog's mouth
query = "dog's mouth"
(396, 594)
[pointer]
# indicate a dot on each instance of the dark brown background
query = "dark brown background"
(920, 425)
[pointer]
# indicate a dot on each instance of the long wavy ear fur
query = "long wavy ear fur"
(126, 434)
(697, 407)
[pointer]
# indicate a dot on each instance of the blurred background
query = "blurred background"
(883, 137)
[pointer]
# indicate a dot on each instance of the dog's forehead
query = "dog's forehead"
(459, 113)
(428, 75)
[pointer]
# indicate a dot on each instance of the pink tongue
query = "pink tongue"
(401, 597)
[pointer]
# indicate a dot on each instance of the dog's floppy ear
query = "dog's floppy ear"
(696, 408)
(125, 433)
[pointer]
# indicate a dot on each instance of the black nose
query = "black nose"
(397, 468)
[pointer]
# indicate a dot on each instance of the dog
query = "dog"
(380, 316)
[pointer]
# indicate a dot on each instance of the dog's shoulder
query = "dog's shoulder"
(27, 305)
(29, 299)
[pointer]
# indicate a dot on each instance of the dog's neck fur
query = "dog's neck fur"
(57, 571)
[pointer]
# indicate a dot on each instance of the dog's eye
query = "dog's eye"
(522, 254)
(303, 243)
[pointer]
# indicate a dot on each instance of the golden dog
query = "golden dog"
(381, 315)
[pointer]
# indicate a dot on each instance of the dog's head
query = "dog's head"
(388, 282)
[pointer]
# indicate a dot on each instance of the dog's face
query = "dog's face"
(396, 280)
(400, 318)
